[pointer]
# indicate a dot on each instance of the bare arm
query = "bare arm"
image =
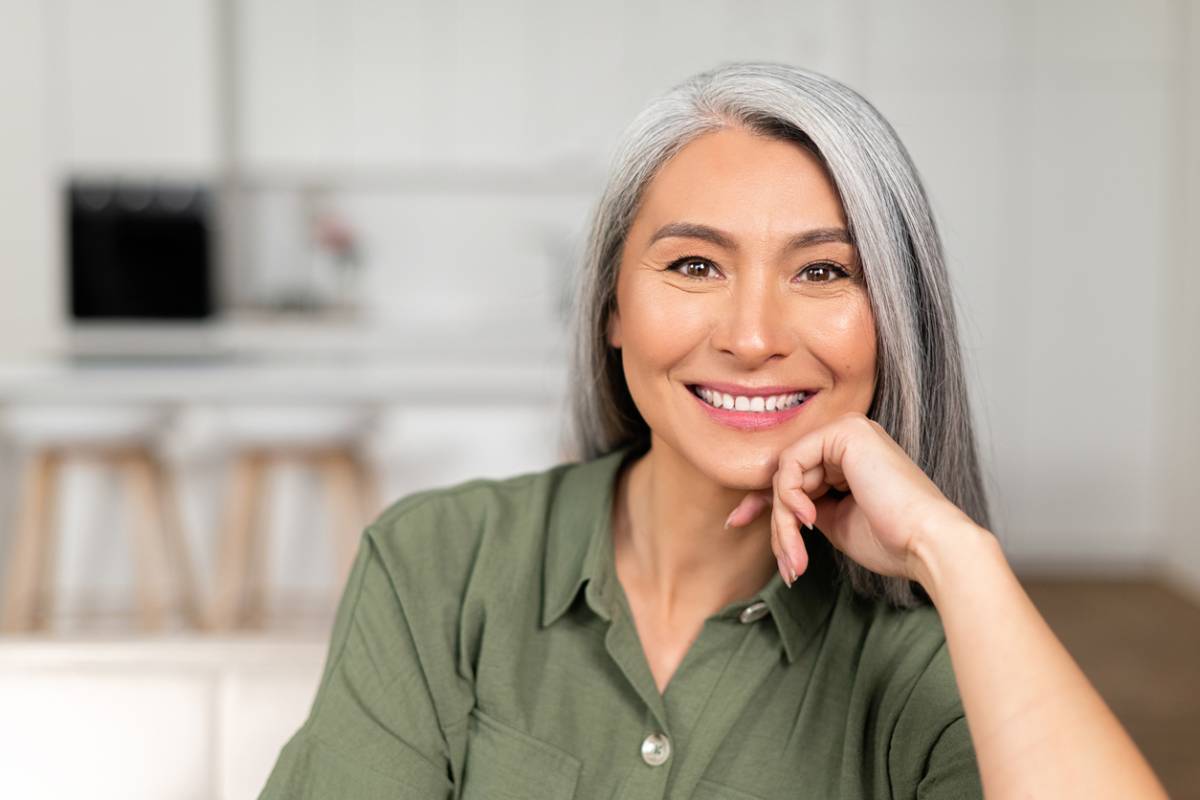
(1038, 726)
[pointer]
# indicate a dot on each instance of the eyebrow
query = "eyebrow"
(693, 230)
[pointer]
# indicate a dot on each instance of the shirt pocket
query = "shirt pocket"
(503, 763)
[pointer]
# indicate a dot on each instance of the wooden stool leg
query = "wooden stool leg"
(30, 568)
(164, 552)
(176, 543)
(254, 610)
(239, 527)
(368, 489)
(344, 493)
(149, 547)
(47, 569)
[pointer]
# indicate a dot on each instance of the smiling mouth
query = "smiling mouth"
(762, 404)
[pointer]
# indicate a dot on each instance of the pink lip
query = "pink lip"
(749, 420)
(753, 391)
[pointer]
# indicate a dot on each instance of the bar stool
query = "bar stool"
(324, 438)
(121, 438)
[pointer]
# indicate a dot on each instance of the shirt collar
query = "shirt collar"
(579, 551)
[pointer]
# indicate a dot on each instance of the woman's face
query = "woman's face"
(737, 277)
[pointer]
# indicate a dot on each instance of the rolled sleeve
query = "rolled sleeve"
(931, 754)
(952, 771)
(373, 730)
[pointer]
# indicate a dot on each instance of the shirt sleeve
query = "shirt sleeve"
(952, 771)
(932, 756)
(373, 730)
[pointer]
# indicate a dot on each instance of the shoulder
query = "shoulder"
(895, 645)
(900, 662)
(442, 535)
(466, 497)
(905, 667)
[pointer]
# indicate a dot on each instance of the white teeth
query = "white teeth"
(758, 403)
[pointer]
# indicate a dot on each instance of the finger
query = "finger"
(748, 509)
(828, 449)
(792, 484)
(795, 557)
(790, 541)
(827, 511)
(780, 561)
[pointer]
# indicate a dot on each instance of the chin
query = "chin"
(743, 468)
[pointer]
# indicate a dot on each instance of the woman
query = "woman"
(771, 574)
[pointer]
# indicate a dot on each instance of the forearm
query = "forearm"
(1038, 726)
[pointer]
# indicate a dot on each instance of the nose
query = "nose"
(752, 328)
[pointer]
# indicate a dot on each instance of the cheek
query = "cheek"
(844, 339)
(657, 328)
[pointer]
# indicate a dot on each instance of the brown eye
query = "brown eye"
(823, 272)
(692, 267)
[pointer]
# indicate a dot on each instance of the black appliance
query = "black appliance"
(140, 250)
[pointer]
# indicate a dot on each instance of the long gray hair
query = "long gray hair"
(921, 396)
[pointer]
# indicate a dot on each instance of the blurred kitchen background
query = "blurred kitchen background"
(269, 265)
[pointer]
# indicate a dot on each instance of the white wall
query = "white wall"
(1179, 422)
(1045, 133)
(30, 289)
(136, 85)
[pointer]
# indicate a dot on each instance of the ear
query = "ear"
(614, 329)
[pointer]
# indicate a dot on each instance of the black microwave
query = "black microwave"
(139, 250)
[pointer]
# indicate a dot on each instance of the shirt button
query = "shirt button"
(753, 612)
(656, 749)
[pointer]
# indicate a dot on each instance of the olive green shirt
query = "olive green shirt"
(483, 648)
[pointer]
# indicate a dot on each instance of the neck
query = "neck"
(671, 542)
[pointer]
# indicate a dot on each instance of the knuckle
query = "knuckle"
(859, 421)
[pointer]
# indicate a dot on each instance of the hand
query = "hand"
(859, 488)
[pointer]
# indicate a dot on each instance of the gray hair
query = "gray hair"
(921, 395)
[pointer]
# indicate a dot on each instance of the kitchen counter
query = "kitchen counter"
(276, 379)
(272, 363)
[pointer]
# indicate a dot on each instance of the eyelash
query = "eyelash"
(674, 265)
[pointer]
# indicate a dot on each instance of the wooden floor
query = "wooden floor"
(1139, 644)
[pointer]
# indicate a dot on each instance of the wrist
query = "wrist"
(941, 548)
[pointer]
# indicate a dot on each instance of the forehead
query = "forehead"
(745, 182)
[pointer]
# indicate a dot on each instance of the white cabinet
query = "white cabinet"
(362, 83)
(138, 83)
(184, 719)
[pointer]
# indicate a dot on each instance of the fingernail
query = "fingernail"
(783, 571)
(729, 519)
(794, 576)
(791, 565)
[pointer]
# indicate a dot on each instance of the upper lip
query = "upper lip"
(750, 391)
